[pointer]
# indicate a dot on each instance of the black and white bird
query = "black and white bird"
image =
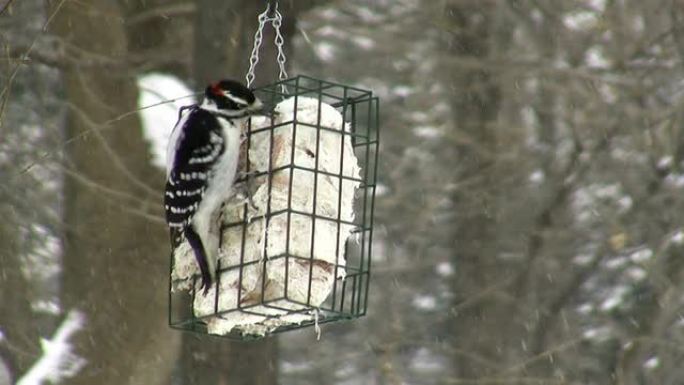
(202, 159)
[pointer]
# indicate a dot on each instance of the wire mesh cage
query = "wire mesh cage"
(295, 243)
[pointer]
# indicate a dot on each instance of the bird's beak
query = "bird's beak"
(257, 105)
(259, 108)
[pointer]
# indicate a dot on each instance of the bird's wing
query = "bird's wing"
(197, 146)
(176, 135)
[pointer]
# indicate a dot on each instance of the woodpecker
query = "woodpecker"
(202, 158)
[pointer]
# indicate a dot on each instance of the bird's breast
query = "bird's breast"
(223, 171)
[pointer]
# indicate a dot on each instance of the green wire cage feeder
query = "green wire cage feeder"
(296, 243)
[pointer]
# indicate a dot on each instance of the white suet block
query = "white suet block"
(326, 150)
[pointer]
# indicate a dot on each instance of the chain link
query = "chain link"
(280, 42)
(276, 21)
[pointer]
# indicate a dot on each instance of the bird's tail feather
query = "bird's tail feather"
(196, 243)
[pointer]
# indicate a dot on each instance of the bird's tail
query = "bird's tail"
(196, 243)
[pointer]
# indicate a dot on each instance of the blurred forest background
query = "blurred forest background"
(529, 212)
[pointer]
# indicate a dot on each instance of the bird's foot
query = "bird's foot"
(246, 188)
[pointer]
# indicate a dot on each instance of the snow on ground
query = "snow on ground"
(325, 51)
(580, 20)
(159, 119)
(585, 17)
(641, 255)
(364, 42)
(537, 176)
(444, 269)
(583, 259)
(424, 360)
(427, 132)
(590, 200)
(295, 367)
(652, 363)
(601, 333)
(595, 58)
(425, 302)
(615, 298)
(46, 306)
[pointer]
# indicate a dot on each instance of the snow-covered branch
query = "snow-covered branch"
(58, 360)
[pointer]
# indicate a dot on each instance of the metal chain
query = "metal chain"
(276, 19)
(280, 42)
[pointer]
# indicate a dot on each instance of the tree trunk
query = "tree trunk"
(479, 325)
(115, 270)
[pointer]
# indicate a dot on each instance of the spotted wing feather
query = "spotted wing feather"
(199, 143)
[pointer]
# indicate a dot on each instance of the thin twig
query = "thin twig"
(116, 159)
(114, 193)
(544, 355)
(4, 94)
(6, 6)
(124, 207)
(165, 11)
(96, 126)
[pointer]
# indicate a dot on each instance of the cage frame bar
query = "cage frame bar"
(347, 299)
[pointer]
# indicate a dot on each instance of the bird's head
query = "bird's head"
(231, 98)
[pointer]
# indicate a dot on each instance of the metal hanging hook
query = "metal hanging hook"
(272, 8)
(276, 18)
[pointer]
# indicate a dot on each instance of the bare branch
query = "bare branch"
(165, 11)
(4, 94)
(116, 159)
(94, 127)
(6, 6)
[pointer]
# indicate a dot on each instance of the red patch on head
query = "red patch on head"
(216, 90)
